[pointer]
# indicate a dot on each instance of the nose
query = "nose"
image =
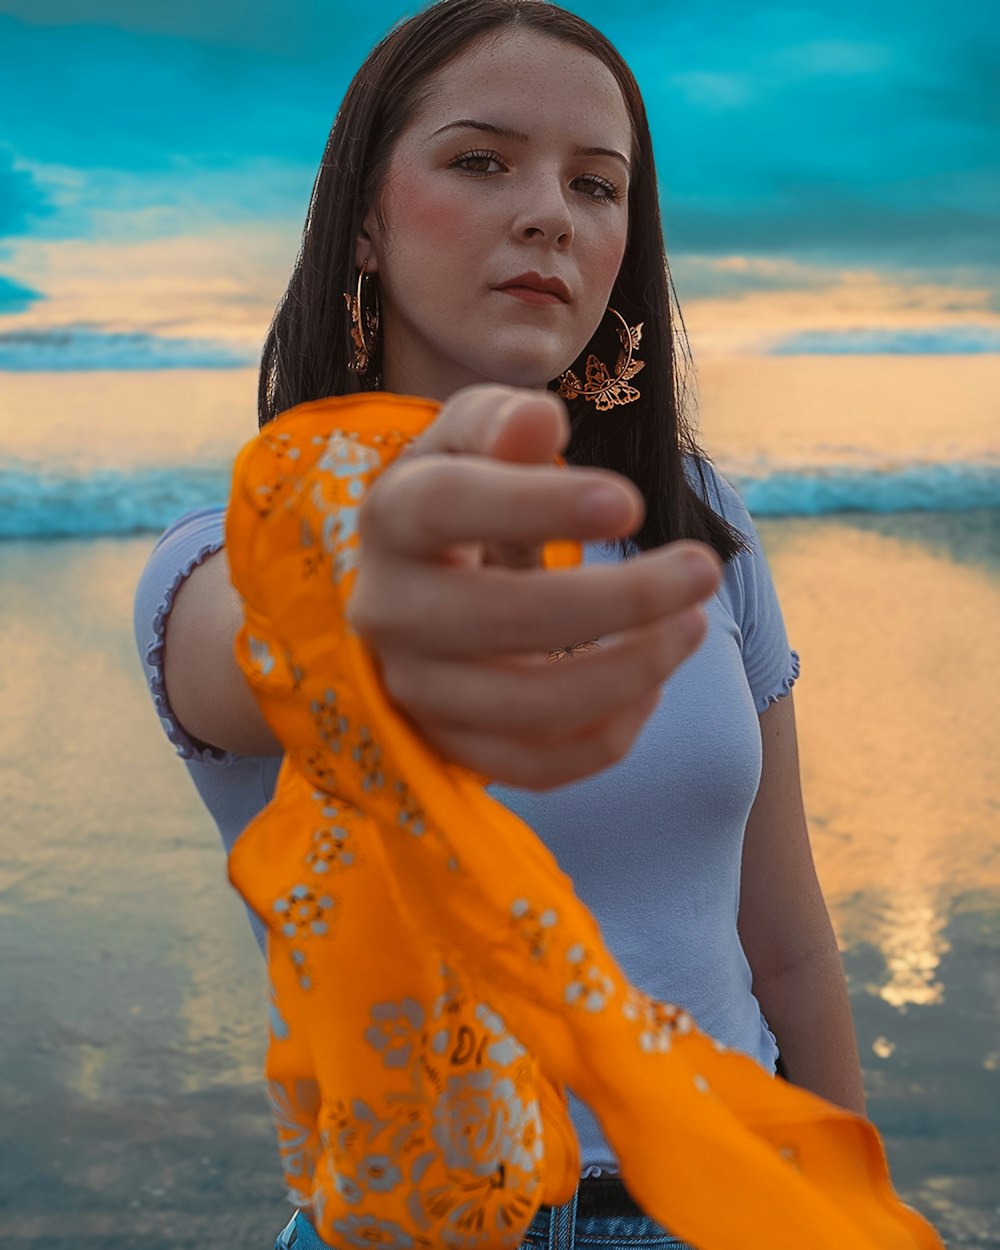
(544, 214)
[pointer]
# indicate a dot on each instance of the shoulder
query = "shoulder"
(193, 529)
(749, 592)
(719, 493)
(747, 576)
(184, 546)
(181, 548)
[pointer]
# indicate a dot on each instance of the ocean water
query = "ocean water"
(119, 453)
(131, 1106)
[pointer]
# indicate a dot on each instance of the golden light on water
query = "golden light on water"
(897, 708)
(752, 412)
(913, 944)
(881, 410)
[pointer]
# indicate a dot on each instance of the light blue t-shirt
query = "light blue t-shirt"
(653, 844)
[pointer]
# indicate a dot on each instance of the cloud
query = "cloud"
(798, 149)
(966, 92)
(114, 204)
(297, 30)
(220, 286)
(76, 348)
(855, 137)
(769, 68)
(713, 91)
(22, 203)
(103, 98)
(710, 277)
(906, 225)
(14, 297)
(835, 57)
(934, 341)
(856, 311)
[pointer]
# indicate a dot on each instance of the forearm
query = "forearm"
(809, 1012)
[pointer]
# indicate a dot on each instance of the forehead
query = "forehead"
(532, 83)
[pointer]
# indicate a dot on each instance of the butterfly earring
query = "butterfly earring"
(600, 387)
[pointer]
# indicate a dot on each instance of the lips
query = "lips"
(535, 282)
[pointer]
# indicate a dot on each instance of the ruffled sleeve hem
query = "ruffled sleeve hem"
(187, 748)
(764, 701)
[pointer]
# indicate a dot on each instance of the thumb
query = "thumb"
(532, 428)
(520, 426)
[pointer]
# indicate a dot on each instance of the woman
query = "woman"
(487, 204)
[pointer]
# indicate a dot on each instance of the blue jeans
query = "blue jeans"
(553, 1228)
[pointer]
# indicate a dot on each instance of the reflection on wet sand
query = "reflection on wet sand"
(913, 943)
(134, 1005)
(897, 709)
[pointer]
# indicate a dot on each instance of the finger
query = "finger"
(496, 611)
(532, 428)
(426, 506)
(524, 765)
(501, 421)
(540, 701)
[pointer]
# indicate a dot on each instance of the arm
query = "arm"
(204, 684)
(437, 626)
(798, 976)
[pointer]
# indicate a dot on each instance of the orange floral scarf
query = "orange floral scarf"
(436, 982)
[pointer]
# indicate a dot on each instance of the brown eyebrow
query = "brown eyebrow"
(504, 132)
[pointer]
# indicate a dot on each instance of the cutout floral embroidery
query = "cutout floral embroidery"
(304, 913)
(534, 927)
(657, 1022)
(330, 724)
(589, 986)
(368, 757)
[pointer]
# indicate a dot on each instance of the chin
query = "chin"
(525, 379)
(533, 372)
(525, 359)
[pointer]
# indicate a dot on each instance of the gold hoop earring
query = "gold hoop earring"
(364, 323)
(603, 390)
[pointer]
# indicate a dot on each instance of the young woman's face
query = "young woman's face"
(513, 177)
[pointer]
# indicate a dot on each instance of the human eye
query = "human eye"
(475, 163)
(600, 190)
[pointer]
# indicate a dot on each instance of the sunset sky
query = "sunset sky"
(828, 171)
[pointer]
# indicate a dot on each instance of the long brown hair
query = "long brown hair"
(308, 346)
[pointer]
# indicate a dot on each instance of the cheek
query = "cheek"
(606, 256)
(421, 210)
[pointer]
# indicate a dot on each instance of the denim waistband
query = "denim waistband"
(600, 1214)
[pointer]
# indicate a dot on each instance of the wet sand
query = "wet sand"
(131, 1107)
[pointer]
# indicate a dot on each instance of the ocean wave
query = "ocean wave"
(47, 503)
(52, 504)
(80, 349)
(947, 487)
(943, 340)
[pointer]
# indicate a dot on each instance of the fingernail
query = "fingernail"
(691, 624)
(604, 505)
(701, 573)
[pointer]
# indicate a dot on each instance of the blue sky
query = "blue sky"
(829, 173)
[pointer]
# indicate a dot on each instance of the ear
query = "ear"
(364, 245)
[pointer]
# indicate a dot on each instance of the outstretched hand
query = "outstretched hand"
(452, 602)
